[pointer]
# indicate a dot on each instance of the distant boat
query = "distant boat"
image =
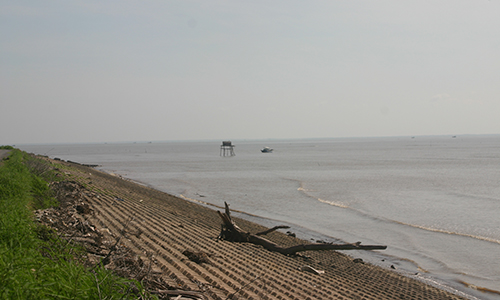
(266, 150)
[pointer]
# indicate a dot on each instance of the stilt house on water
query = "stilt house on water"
(227, 149)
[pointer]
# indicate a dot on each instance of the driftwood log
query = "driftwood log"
(231, 232)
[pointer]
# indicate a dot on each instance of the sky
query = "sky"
(87, 71)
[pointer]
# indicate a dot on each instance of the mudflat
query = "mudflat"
(167, 231)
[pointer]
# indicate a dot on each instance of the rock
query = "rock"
(358, 261)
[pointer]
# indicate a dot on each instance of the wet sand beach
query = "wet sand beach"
(167, 226)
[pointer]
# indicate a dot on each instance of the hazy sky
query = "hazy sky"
(104, 71)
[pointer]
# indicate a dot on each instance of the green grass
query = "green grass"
(34, 263)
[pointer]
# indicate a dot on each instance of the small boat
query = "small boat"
(266, 150)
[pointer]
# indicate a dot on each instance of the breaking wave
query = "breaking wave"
(487, 239)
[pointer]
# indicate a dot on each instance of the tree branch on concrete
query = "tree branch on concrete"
(231, 232)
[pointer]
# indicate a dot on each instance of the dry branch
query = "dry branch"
(231, 232)
(272, 229)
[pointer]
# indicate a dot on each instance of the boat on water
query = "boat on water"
(266, 150)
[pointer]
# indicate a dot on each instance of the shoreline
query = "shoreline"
(309, 235)
(319, 260)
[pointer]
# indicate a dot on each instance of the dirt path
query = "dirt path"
(164, 227)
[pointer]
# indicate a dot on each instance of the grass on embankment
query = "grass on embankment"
(34, 263)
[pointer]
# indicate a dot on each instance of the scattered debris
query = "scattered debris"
(180, 295)
(197, 257)
(311, 270)
(73, 223)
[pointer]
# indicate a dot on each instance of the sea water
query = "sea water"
(434, 201)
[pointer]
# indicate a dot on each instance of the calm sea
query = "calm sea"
(434, 201)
